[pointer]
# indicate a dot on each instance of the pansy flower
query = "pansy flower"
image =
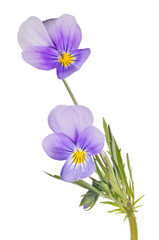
(53, 44)
(75, 140)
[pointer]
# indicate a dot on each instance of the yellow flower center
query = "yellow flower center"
(79, 156)
(66, 59)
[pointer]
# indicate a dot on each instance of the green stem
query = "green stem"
(133, 227)
(70, 92)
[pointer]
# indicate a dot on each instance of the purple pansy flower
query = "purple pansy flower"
(74, 140)
(53, 44)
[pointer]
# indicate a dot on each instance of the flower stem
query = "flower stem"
(133, 227)
(70, 92)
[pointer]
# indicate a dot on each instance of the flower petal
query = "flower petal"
(91, 140)
(44, 58)
(33, 33)
(66, 34)
(50, 25)
(80, 56)
(64, 72)
(58, 146)
(72, 172)
(54, 118)
(70, 120)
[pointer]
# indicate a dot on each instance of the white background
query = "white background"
(119, 81)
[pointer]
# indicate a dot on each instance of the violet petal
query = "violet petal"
(50, 25)
(79, 57)
(58, 146)
(91, 140)
(72, 172)
(44, 58)
(66, 34)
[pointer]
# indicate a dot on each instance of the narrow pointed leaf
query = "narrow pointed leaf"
(80, 183)
(105, 126)
(138, 199)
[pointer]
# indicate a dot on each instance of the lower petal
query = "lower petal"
(79, 57)
(72, 172)
(45, 58)
(64, 72)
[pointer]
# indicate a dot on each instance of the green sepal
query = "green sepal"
(90, 199)
(87, 198)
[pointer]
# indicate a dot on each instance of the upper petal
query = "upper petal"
(54, 118)
(72, 172)
(44, 58)
(33, 33)
(66, 33)
(91, 140)
(58, 146)
(50, 25)
(70, 120)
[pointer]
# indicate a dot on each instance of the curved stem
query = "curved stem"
(133, 227)
(70, 92)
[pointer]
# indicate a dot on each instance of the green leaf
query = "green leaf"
(111, 203)
(105, 126)
(129, 168)
(138, 206)
(99, 160)
(80, 183)
(125, 217)
(129, 191)
(138, 199)
(98, 170)
(115, 210)
(120, 163)
(117, 159)
(54, 176)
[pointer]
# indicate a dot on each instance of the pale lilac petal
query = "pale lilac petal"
(33, 33)
(58, 146)
(70, 120)
(85, 117)
(54, 117)
(72, 172)
(44, 58)
(80, 56)
(50, 25)
(91, 140)
(67, 122)
(66, 34)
